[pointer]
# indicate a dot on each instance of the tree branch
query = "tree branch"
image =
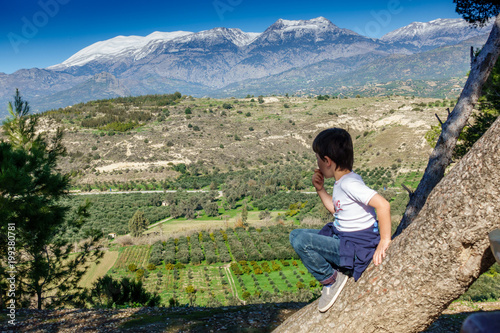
(439, 119)
(441, 156)
(410, 192)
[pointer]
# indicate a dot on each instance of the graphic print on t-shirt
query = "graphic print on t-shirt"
(336, 204)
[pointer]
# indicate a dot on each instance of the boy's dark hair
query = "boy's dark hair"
(336, 143)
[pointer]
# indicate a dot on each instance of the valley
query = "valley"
(221, 182)
(194, 165)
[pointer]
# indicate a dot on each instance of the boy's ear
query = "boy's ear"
(328, 161)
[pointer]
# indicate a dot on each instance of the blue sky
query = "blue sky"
(41, 33)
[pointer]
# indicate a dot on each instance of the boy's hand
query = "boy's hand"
(318, 180)
(379, 254)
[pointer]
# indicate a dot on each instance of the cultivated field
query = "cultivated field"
(96, 271)
(229, 220)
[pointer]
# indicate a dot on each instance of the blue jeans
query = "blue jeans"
(317, 252)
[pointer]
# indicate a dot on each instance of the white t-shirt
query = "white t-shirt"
(350, 199)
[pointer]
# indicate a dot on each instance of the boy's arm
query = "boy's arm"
(318, 181)
(383, 209)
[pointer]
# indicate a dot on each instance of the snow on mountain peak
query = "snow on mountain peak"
(132, 48)
(313, 24)
(117, 46)
(236, 36)
(138, 47)
(315, 30)
(436, 31)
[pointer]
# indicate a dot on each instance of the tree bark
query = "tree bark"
(441, 156)
(432, 263)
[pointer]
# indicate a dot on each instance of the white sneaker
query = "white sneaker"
(330, 294)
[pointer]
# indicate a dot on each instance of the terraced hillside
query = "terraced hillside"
(152, 138)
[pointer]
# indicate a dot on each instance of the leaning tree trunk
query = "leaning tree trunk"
(431, 263)
(441, 156)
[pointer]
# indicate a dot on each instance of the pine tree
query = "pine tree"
(30, 192)
(138, 223)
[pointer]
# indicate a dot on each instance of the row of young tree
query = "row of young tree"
(267, 243)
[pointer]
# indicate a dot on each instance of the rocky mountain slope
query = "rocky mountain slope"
(427, 35)
(222, 60)
(439, 73)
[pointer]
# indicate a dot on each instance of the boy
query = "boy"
(353, 239)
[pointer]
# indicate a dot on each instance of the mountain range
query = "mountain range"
(297, 57)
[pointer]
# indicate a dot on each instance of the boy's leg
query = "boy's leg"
(317, 252)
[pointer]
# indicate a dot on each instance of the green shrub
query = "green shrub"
(486, 287)
(266, 268)
(107, 292)
(173, 302)
(275, 266)
(139, 274)
(180, 265)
